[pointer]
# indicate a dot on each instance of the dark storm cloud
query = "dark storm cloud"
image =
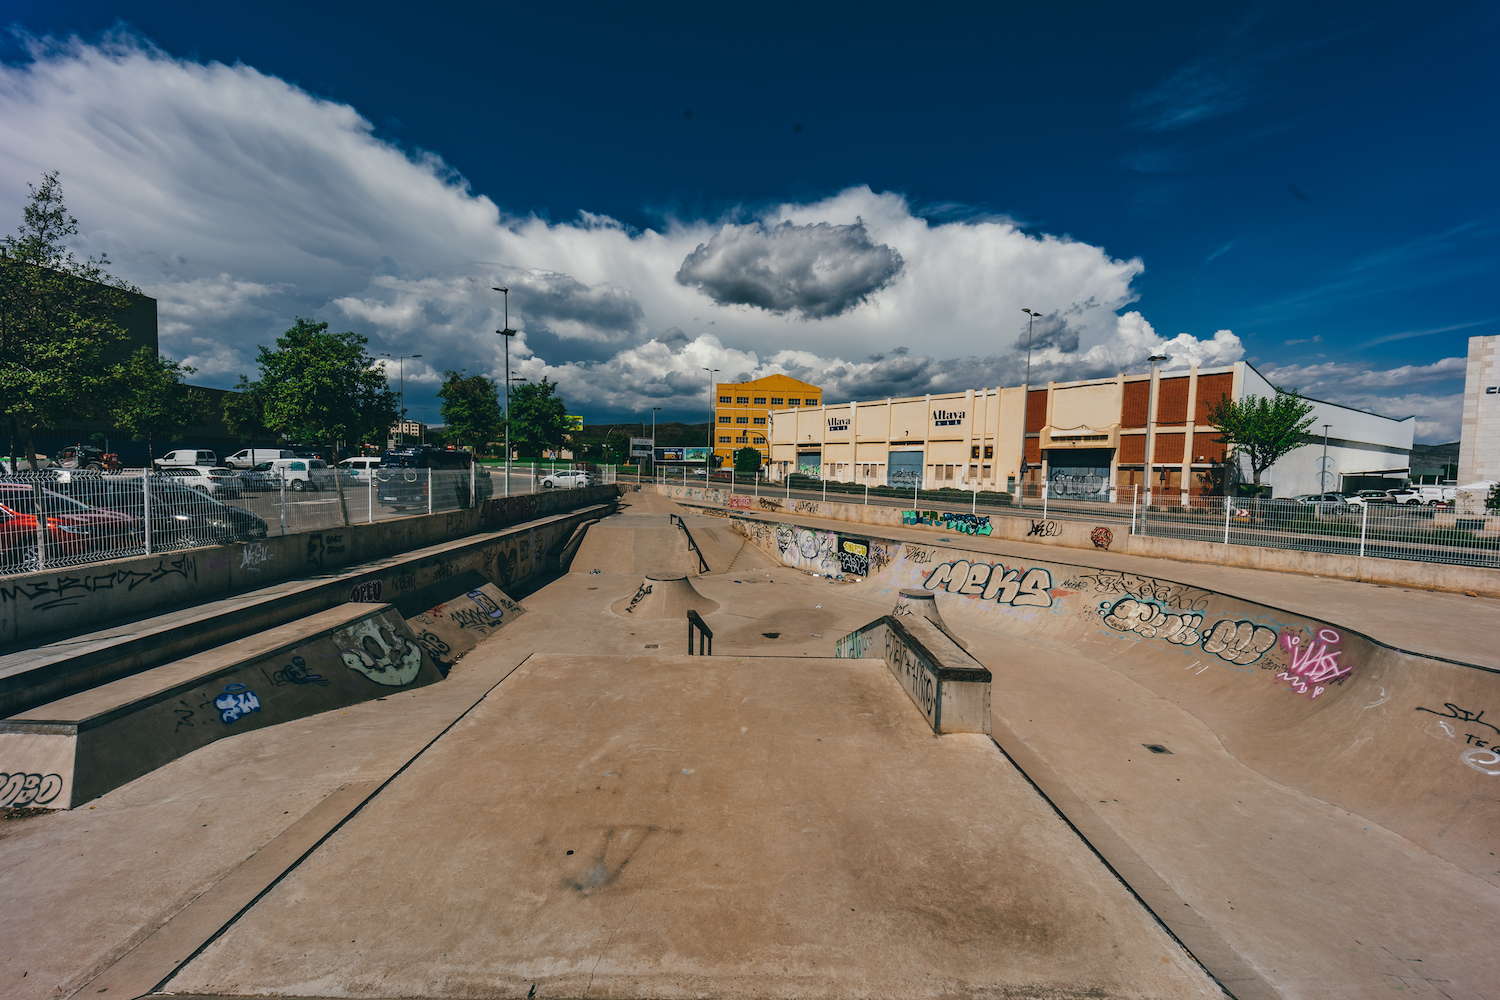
(819, 270)
(565, 307)
(1050, 331)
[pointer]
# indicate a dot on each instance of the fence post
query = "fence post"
(1044, 501)
(867, 491)
(1135, 501)
(1228, 506)
(283, 502)
(146, 505)
(41, 524)
(431, 489)
(825, 489)
(370, 495)
(472, 473)
(1364, 520)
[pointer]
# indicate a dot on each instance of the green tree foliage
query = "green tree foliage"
(1262, 429)
(747, 461)
(151, 400)
(58, 319)
(321, 386)
(1492, 502)
(538, 417)
(245, 412)
(471, 409)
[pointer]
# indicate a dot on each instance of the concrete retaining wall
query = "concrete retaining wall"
(1115, 537)
(38, 604)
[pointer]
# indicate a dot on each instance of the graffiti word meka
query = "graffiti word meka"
(994, 582)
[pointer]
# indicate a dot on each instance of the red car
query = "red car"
(73, 528)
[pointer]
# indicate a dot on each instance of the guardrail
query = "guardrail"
(695, 622)
(692, 545)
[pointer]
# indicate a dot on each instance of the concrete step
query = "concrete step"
(34, 676)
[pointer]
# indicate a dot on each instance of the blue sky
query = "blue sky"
(875, 190)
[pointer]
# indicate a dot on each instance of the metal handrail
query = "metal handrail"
(692, 545)
(695, 621)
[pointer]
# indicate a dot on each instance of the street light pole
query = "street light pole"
(708, 461)
(653, 441)
(1323, 472)
(507, 333)
(1155, 359)
(401, 360)
(1032, 314)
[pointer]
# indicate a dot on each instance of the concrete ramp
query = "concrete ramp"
(635, 546)
(664, 597)
(451, 617)
(64, 753)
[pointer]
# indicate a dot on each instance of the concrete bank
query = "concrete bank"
(34, 605)
(1112, 537)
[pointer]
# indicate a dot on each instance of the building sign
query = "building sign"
(838, 423)
(682, 456)
(947, 418)
(640, 447)
(1079, 475)
(904, 469)
(696, 455)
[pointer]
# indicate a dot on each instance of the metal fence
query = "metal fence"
(61, 517)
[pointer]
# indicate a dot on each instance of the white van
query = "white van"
(296, 472)
(249, 458)
(184, 457)
(359, 469)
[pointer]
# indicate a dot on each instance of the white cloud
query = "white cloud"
(1379, 391)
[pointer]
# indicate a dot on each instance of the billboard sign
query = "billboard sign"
(696, 455)
(574, 422)
(640, 447)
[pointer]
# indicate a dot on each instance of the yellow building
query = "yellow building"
(740, 412)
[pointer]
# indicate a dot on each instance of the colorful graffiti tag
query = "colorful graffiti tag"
(994, 582)
(1314, 664)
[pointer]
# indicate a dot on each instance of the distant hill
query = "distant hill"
(1431, 455)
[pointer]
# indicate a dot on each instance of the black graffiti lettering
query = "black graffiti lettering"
(1461, 714)
(1044, 529)
(65, 591)
(184, 716)
(21, 789)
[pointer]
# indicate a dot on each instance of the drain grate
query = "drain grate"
(1155, 748)
(771, 635)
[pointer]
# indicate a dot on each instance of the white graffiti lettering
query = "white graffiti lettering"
(1149, 621)
(1238, 641)
(994, 582)
(21, 789)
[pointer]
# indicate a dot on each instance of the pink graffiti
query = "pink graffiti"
(1314, 666)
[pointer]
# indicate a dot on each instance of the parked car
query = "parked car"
(219, 482)
(249, 458)
(73, 528)
(567, 479)
(181, 517)
(297, 473)
(359, 468)
(1370, 497)
(1325, 503)
(402, 483)
(184, 457)
(1429, 495)
(80, 456)
(260, 479)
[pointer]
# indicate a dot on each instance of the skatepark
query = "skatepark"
(916, 763)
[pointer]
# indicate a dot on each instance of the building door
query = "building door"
(810, 463)
(904, 470)
(1078, 474)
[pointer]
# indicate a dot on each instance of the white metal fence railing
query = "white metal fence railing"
(62, 517)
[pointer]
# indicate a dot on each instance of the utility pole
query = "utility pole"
(653, 440)
(507, 333)
(1323, 472)
(401, 360)
(708, 464)
(1155, 359)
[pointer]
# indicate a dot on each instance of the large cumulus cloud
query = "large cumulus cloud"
(242, 201)
(817, 270)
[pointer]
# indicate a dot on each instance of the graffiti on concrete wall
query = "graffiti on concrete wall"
(1102, 537)
(1044, 529)
(67, 590)
(28, 789)
(1314, 662)
(1148, 620)
(854, 555)
(382, 655)
(641, 593)
(1175, 596)
(236, 702)
(1011, 586)
(808, 550)
(969, 524)
(1239, 642)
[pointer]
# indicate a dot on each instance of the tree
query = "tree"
(151, 401)
(1263, 429)
(471, 409)
(538, 417)
(245, 412)
(58, 319)
(321, 386)
(747, 460)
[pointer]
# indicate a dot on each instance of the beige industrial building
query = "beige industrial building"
(1092, 439)
(1479, 445)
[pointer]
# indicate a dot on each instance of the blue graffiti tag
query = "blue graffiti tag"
(237, 700)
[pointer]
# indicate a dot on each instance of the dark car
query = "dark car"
(403, 476)
(74, 529)
(181, 517)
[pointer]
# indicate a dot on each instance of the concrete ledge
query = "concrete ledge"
(1109, 535)
(949, 687)
(33, 605)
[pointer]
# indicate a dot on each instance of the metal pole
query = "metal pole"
(1135, 499)
(507, 333)
(146, 505)
(867, 491)
(370, 494)
(430, 491)
(472, 474)
(283, 501)
(1228, 506)
(1044, 501)
(1323, 473)
(41, 524)
(1364, 520)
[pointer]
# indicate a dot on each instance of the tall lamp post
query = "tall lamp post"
(1032, 314)
(1323, 472)
(653, 441)
(507, 333)
(712, 429)
(1155, 360)
(401, 360)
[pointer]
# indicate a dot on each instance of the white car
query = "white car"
(187, 457)
(249, 458)
(359, 468)
(296, 473)
(216, 482)
(567, 479)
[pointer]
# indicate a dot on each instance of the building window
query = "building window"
(810, 401)
(742, 420)
(742, 399)
(723, 399)
(760, 401)
(794, 401)
(742, 439)
(724, 439)
(759, 439)
(777, 401)
(761, 421)
(723, 420)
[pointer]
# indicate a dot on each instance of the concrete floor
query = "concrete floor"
(746, 825)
